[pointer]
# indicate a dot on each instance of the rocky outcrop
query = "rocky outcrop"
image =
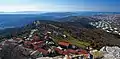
(111, 52)
(14, 51)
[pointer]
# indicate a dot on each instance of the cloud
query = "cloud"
(14, 8)
(59, 5)
(39, 7)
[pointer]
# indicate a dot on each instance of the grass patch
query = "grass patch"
(97, 54)
(72, 40)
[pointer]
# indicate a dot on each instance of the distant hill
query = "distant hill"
(16, 20)
(19, 19)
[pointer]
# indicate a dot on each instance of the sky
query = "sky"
(59, 5)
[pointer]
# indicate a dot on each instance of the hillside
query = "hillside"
(80, 32)
(78, 29)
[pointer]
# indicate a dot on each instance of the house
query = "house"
(28, 44)
(43, 51)
(36, 38)
(59, 47)
(115, 28)
(81, 51)
(46, 37)
(67, 57)
(64, 36)
(64, 44)
(38, 43)
(19, 40)
(72, 51)
(65, 53)
(59, 51)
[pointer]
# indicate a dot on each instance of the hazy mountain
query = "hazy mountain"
(18, 19)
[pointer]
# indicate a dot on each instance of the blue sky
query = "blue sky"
(59, 5)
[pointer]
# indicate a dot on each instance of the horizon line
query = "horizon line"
(52, 11)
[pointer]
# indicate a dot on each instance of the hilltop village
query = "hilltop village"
(43, 47)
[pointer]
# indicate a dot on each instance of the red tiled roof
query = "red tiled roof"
(64, 43)
(38, 43)
(83, 52)
(35, 47)
(45, 52)
(27, 42)
(58, 50)
(72, 51)
(65, 53)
